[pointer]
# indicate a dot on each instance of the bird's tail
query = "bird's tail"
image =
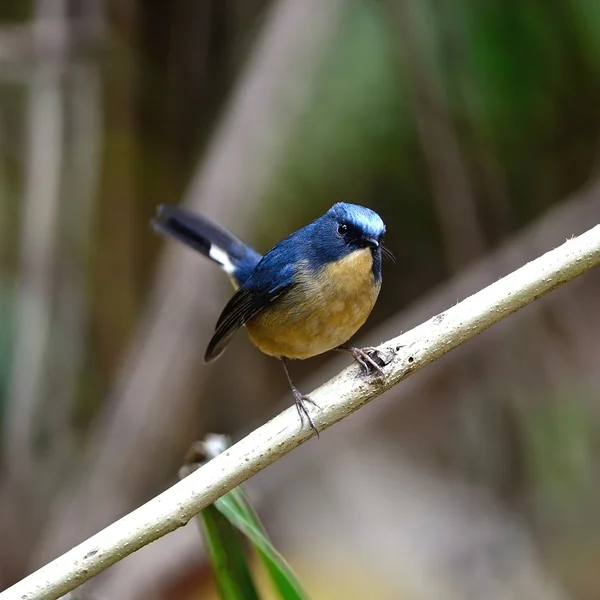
(231, 254)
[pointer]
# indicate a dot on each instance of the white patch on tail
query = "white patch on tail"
(222, 258)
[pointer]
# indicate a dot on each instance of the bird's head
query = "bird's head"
(347, 228)
(356, 226)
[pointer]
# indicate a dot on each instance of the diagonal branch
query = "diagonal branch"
(144, 574)
(338, 398)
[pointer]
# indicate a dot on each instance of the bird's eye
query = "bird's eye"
(342, 228)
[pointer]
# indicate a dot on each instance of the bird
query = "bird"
(306, 296)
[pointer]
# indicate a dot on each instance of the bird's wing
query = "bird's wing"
(269, 281)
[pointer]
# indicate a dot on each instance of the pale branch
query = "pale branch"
(337, 399)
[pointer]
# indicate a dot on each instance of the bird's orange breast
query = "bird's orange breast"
(322, 311)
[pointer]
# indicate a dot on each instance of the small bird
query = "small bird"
(309, 294)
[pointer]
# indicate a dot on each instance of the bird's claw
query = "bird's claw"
(363, 357)
(300, 401)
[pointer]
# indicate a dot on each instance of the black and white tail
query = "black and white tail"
(231, 254)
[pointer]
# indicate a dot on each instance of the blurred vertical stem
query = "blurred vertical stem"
(454, 199)
(82, 162)
(60, 166)
(38, 241)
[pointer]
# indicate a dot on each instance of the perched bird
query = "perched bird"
(309, 294)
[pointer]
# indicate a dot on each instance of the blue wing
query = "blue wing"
(272, 277)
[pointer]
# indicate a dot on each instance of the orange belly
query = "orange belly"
(321, 312)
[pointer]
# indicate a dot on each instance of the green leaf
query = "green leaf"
(236, 511)
(227, 557)
(236, 508)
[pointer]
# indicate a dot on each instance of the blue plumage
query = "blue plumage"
(309, 294)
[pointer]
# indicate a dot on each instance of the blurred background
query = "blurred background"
(471, 127)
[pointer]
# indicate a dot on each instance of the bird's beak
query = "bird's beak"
(371, 242)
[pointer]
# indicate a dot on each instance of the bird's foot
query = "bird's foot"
(365, 357)
(301, 400)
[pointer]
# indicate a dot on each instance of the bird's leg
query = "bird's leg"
(363, 357)
(300, 399)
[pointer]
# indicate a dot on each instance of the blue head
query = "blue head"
(346, 228)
